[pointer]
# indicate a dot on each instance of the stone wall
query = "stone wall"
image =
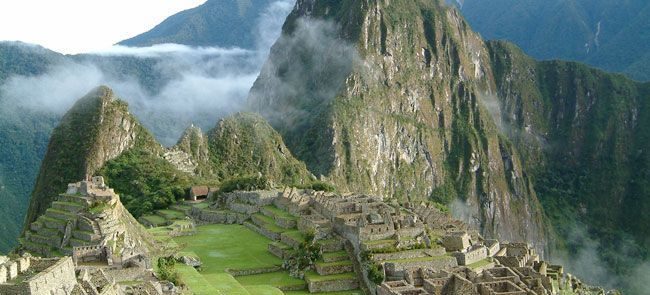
(373, 232)
(252, 271)
(217, 216)
(440, 262)
(474, 255)
(457, 241)
(333, 268)
(410, 232)
(493, 247)
(3, 274)
(409, 254)
(54, 277)
(87, 253)
(262, 231)
(278, 251)
(332, 286)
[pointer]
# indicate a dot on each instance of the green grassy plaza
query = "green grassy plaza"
(222, 247)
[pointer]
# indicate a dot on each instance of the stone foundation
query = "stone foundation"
(332, 286)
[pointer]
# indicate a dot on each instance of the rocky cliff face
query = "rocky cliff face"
(402, 110)
(191, 153)
(97, 129)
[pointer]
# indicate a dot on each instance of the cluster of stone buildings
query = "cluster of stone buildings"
(95, 242)
(89, 223)
(419, 249)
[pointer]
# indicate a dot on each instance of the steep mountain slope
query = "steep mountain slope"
(612, 35)
(584, 133)
(388, 98)
(97, 129)
(220, 23)
(23, 138)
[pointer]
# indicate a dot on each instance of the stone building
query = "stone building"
(456, 241)
(89, 223)
(474, 254)
(38, 276)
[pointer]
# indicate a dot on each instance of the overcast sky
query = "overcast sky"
(78, 26)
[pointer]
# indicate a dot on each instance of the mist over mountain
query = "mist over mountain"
(168, 86)
(612, 35)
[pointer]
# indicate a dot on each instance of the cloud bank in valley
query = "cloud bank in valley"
(167, 86)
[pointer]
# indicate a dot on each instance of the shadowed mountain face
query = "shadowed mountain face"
(222, 23)
(612, 35)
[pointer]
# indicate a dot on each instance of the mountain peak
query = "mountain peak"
(385, 98)
(96, 129)
(220, 23)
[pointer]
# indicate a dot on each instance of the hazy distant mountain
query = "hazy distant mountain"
(24, 131)
(224, 23)
(613, 35)
(23, 138)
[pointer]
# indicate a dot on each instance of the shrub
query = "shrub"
(245, 183)
(167, 270)
(304, 257)
(444, 194)
(375, 273)
(316, 185)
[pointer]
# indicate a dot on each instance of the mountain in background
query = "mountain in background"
(23, 139)
(387, 99)
(612, 35)
(220, 23)
(406, 101)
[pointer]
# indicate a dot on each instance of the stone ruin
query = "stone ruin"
(419, 249)
(50, 276)
(93, 239)
(89, 223)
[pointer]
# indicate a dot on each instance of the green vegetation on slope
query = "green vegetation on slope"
(97, 128)
(583, 136)
(145, 181)
(244, 145)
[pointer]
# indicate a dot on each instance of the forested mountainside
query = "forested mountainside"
(584, 136)
(611, 35)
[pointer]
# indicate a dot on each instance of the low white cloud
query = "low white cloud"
(192, 85)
